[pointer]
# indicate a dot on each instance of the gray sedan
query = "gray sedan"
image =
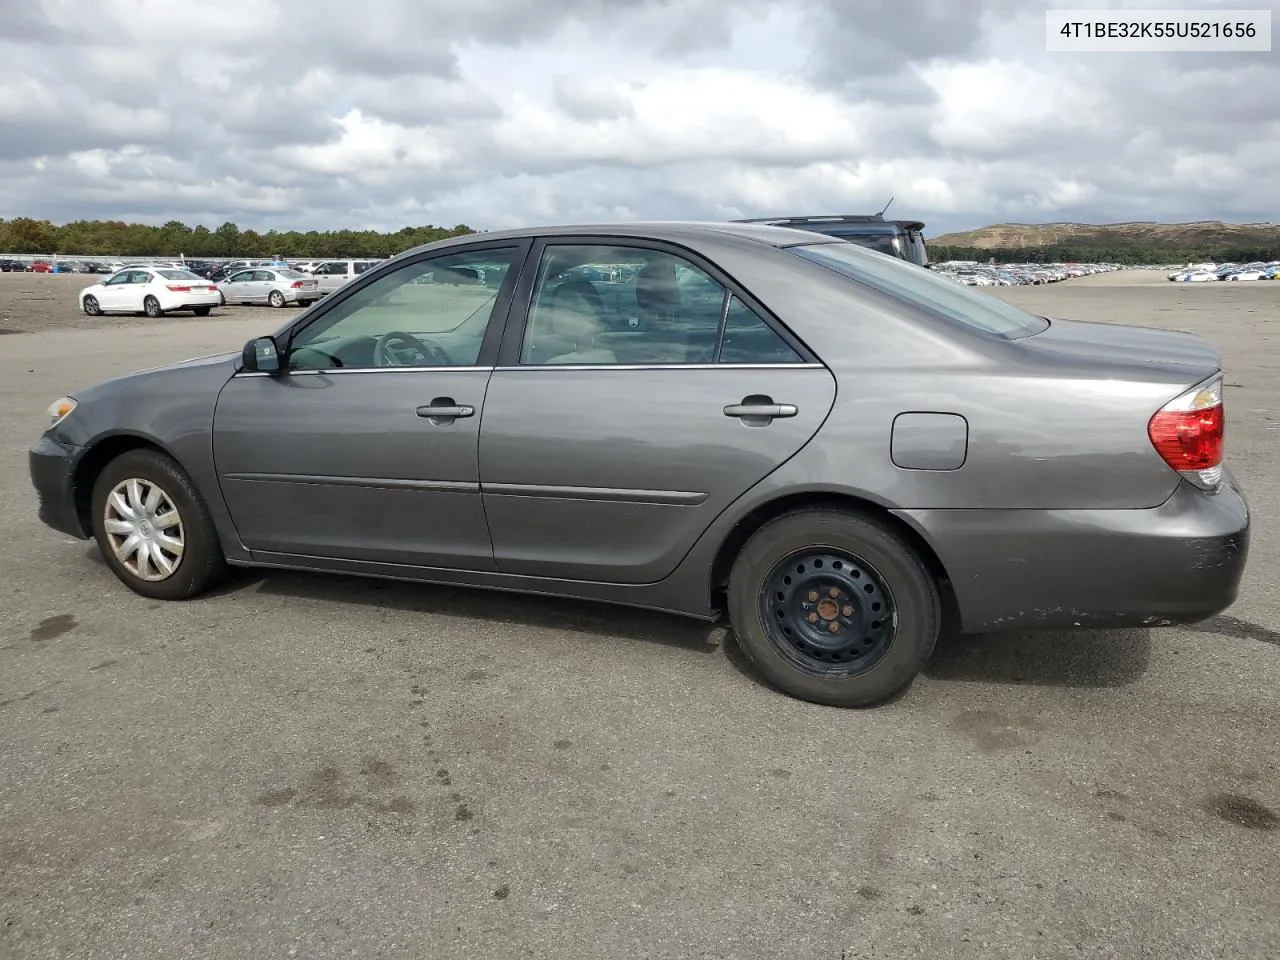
(838, 449)
(272, 285)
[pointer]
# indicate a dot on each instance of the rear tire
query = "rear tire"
(173, 521)
(201, 311)
(276, 299)
(834, 607)
(151, 307)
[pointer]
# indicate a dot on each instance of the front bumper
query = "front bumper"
(1180, 562)
(52, 467)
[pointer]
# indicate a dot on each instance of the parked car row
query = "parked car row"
(973, 274)
(1205, 272)
(330, 274)
(157, 289)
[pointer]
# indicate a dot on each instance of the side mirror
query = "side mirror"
(261, 355)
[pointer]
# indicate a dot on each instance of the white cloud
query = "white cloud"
(314, 114)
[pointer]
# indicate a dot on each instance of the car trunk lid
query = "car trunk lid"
(1113, 342)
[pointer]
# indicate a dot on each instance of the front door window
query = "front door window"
(431, 313)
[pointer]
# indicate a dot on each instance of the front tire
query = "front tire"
(153, 527)
(151, 307)
(834, 607)
(91, 307)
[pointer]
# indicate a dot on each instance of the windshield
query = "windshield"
(924, 289)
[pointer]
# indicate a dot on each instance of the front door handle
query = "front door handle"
(757, 411)
(445, 410)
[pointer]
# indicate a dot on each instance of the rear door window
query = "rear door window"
(614, 305)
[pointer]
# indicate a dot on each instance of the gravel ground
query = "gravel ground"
(320, 767)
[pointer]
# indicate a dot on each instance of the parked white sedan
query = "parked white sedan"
(153, 291)
(274, 285)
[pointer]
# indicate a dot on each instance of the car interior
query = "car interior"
(591, 306)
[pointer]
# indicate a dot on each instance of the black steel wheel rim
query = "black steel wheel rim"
(828, 612)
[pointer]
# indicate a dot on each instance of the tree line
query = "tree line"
(1138, 253)
(114, 238)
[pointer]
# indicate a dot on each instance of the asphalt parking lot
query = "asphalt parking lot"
(319, 767)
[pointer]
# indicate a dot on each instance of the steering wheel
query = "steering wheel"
(385, 356)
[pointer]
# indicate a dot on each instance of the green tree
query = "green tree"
(25, 235)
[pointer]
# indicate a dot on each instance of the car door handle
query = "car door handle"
(760, 409)
(445, 410)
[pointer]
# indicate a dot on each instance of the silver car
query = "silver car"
(276, 286)
(839, 449)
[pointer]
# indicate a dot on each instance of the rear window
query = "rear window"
(290, 274)
(924, 289)
(178, 275)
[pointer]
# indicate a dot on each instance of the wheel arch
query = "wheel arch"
(94, 460)
(762, 513)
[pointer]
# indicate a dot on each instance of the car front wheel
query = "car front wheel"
(834, 607)
(153, 528)
(91, 307)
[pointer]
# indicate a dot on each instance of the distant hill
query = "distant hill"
(1122, 242)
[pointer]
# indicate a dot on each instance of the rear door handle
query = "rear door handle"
(445, 410)
(760, 410)
(769, 410)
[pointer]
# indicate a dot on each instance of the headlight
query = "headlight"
(59, 410)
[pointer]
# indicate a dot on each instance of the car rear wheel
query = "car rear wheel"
(153, 528)
(91, 307)
(151, 307)
(201, 311)
(276, 299)
(833, 607)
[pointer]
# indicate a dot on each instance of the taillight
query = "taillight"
(212, 288)
(1188, 433)
(296, 285)
(179, 289)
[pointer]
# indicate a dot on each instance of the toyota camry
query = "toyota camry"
(837, 449)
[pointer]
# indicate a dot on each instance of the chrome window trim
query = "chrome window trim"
(525, 368)
(531, 367)
(346, 370)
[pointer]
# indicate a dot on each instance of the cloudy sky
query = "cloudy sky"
(383, 113)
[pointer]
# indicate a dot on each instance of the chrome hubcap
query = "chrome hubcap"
(144, 529)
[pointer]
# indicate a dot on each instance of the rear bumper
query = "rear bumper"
(1180, 562)
(186, 301)
(52, 466)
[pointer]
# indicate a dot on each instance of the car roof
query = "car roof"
(646, 230)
